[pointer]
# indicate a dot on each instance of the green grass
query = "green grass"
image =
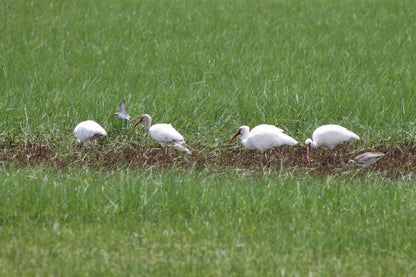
(174, 223)
(207, 67)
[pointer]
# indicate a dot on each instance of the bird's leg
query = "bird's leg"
(165, 152)
(308, 158)
(277, 156)
(264, 157)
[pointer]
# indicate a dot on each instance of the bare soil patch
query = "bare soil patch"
(399, 162)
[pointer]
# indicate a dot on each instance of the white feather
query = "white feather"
(330, 136)
(164, 134)
(264, 137)
(88, 130)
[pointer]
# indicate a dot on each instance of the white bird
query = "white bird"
(122, 114)
(329, 136)
(164, 134)
(263, 137)
(366, 159)
(88, 130)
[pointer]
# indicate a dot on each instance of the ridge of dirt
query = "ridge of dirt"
(399, 162)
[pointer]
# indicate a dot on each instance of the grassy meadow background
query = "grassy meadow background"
(207, 67)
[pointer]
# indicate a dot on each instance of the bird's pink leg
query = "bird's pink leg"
(165, 152)
(263, 159)
(277, 156)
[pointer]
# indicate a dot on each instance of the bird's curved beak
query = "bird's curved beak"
(137, 123)
(308, 149)
(235, 135)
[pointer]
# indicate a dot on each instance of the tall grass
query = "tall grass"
(209, 66)
(122, 223)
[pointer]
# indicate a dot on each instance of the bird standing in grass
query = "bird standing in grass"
(164, 134)
(88, 130)
(366, 159)
(123, 114)
(263, 137)
(329, 136)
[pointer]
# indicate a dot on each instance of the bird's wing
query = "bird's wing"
(268, 139)
(165, 133)
(181, 148)
(123, 107)
(333, 137)
(265, 128)
(369, 157)
(88, 129)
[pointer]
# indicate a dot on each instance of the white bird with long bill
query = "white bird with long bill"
(263, 137)
(164, 134)
(329, 136)
(88, 130)
(123, 114)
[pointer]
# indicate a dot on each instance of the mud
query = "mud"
(399, 162)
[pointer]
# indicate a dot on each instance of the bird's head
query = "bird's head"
(145, 118)
(242, 130)
(137, 123)
(308, 144)
(351, 163)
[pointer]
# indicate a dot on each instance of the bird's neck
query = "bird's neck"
(244, 137)
(148, 123)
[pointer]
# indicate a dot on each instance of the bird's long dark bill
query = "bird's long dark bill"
(308, 149)
(137, 123)
(236, 134)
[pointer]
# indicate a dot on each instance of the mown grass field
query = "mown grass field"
(207, 67)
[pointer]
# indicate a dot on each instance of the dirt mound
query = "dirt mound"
(399, 162)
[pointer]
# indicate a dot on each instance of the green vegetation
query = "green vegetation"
(174, 223)
(207, 67)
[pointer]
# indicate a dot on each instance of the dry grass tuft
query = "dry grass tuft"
(399, 162)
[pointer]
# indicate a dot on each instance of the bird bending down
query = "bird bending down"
(123, 114)
(263, 137)
(88, 130)
(329, 136)
(164, 134)
(366, 159)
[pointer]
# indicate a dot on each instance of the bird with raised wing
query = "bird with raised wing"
(366, 159)
(123, 114)
(263, 137)
(164, 134)
(329, 136)
(88, 130)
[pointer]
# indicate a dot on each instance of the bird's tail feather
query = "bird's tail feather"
(181, 148)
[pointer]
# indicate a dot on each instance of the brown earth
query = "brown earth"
(399, 162)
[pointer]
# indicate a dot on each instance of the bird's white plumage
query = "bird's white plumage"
(265, 128)
(88, 130)
(164, 134)
(330, 136)
(264, 137)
